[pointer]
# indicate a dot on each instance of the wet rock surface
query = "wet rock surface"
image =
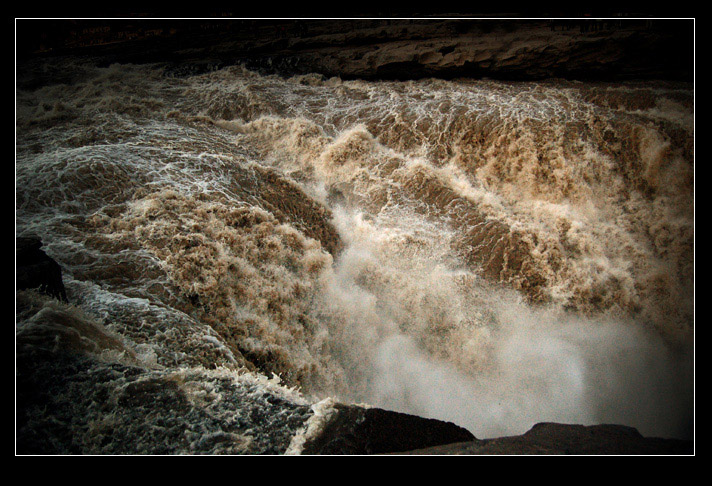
(357, 430)
(36, 270)
(554, 439)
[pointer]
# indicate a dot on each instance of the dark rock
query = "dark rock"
(552, 438)
(384, 49)
(357, 430)
(36, 270)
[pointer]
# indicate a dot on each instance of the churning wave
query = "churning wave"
(490, 253)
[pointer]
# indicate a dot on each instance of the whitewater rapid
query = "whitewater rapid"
(490, 253)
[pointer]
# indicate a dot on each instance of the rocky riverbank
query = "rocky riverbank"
(568, 439)
(386, 49)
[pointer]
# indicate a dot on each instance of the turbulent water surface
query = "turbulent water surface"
(490, 253)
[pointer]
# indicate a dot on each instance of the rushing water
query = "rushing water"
(494, 254)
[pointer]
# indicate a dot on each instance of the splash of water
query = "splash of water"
(494, 254)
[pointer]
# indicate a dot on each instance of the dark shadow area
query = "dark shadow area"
(610, 49)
